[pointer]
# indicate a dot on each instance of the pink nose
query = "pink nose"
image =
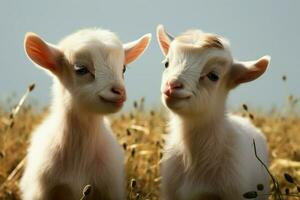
(174, 85)
(120, 91)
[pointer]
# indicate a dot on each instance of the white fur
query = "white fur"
(75, 146)
(209, 154)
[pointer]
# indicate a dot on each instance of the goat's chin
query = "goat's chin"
(176, 105)
(102, 108)
(183, 107)
(109, 109)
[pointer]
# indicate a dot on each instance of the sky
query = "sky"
(254, 28)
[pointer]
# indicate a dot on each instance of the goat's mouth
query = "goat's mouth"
(115, 101)
(175, 96)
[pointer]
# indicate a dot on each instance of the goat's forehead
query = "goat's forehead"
(189, 56)
(87, 35)
(180, 50)
(92, 40)
(95, 53)
(185, 53)
(199, 39)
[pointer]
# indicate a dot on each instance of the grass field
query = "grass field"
(141, 133)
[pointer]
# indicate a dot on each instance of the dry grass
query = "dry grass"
(141, 134)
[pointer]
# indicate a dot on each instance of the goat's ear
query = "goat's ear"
(164, 39)
(40, 52)
(136, 48)
(243, 72)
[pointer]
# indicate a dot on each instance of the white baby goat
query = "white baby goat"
(75, 146)
(209, 153)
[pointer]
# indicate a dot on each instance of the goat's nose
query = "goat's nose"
(118, 90)
(174, 84)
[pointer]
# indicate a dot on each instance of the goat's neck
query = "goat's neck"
(78, 127)
(201, 136)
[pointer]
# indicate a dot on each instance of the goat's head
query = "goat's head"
(200, 71)
(90, 64)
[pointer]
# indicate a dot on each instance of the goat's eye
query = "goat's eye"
(213, 76)
(124, 69)
(81, 70)
(166, 64)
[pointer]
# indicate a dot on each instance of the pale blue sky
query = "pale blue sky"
(254, 28)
